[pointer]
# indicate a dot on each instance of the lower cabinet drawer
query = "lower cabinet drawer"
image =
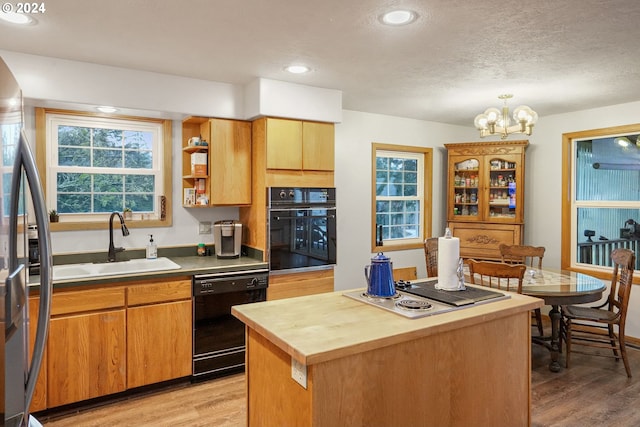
(288, 285)
(482, 241)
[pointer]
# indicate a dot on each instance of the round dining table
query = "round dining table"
(558, 288)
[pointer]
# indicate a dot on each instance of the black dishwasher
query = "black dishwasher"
(218, 337)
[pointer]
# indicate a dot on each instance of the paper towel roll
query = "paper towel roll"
(448, 256)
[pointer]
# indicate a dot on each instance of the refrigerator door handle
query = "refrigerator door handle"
(46, 263)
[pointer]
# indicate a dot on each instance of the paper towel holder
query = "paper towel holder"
(460, 273)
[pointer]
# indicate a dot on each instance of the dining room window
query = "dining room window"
(401, 202)
(602, 209)
(97, 164)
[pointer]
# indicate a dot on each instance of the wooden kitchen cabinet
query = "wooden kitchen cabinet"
(86, 346)
(284, 144)
(159, 331)
(113, 338)
(299, 145)
(227, 181)
(485, 196)
(264, 136)
(290, 285)
(39, 400)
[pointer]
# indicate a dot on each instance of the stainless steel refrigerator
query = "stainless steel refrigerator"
(21, 203)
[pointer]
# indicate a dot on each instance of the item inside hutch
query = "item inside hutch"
(466, 188)
(502, 194)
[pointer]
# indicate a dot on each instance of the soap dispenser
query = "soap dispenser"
(152, 249)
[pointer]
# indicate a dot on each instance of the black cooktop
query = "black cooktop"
(426, 288)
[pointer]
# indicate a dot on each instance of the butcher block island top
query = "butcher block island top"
(322, 327)
(330, 360)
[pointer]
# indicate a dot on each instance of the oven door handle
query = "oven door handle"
(305, 208)
(276, 217)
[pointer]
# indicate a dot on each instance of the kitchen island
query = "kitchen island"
(364, 366)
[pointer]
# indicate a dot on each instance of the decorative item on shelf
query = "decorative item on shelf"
(189, 196)
(493, 121)
(53, 216)
(162, 200)
(203, 200)
(200, 186)
(127, 213)
(199, 164)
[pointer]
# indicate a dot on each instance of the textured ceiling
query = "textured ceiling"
(451, 64)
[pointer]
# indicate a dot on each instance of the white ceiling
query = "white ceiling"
(448, 66)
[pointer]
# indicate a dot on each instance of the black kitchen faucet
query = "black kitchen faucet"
(125, 232)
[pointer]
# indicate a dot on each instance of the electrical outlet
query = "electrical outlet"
(299, 372)
(204, 227)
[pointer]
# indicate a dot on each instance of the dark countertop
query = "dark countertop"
(190, 265)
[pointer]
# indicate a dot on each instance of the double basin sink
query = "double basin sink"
(84, 270)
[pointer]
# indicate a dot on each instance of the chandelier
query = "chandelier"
(493, 121)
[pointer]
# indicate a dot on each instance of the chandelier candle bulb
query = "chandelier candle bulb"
(448, 259)
(493, 121)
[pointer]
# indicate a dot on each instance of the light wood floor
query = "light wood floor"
(595, 391)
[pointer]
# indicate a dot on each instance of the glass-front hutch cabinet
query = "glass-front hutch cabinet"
(485, 196)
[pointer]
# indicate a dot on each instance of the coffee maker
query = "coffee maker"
(227, 238)
(34, 250)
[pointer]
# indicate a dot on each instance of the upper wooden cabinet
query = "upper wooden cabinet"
(274, 164)
(485, 195)
(226, 181)
(284, 144)
(298, 145)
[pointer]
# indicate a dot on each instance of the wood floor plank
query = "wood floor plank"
(595, 391)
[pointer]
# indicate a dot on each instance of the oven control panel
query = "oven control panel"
(282, 196)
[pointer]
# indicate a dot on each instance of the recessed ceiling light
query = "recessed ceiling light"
(106, 109)
(297, 69)
(398, 17)
(17, 18)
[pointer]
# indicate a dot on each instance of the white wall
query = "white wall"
(60, 80)
(353, 185)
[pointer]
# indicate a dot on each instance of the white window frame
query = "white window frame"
(47, 121)
(424, 156)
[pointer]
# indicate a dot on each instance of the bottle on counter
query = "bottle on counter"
(202, 249)
(152, 249)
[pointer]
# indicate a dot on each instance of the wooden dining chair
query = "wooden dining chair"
(431, 256)
(530, 256)
(497, 274)
(596, 326)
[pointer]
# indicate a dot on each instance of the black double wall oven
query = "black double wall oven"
(301, 227)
